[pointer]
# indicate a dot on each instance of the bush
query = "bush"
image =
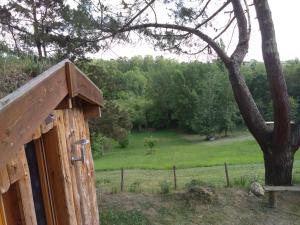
(124, 142)
(99, 144)
(165, 187)
(135, 186)
(197, 183)
(150, 143)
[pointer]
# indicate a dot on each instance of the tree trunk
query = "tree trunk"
(279, 167)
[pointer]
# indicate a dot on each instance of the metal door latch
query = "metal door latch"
(82, 142)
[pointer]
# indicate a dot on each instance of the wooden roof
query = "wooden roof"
(22, 111)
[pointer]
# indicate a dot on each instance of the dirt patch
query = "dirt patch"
(230, 207)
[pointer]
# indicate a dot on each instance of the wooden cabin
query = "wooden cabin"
(46, 167)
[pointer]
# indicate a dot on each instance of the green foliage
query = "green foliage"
(197, 183)
(100, 144)
(124, 142)
(135, 186)
(114, 122)
(245, 180)
(150, 143)
(130, 217)
(161, 93)
(165, 187)
(51, 28)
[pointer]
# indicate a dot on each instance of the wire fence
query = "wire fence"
(142, 180)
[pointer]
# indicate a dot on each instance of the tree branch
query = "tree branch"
(213, 15)
(191, 30)
(243, 44)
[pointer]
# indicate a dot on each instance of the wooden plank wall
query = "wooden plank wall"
(83, 177)
(16, 193)
(72, 184)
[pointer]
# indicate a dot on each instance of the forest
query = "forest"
(144, 93)
(158, 93)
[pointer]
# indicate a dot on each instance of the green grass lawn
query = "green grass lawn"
(184, 151)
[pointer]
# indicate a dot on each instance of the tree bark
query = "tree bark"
(247, 105)
(278, 166)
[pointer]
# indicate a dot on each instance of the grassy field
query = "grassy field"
(184, 151)
(194, 158)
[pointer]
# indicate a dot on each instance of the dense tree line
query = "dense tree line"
(195, 97)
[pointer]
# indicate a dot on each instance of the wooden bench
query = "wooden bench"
(273, 191)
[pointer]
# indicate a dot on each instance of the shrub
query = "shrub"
(165, 187)
(197, 183)
(135, 186)
(124, 142)
(99, 144)
(150, 143)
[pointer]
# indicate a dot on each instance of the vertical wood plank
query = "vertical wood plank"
(81, 172)
(12, 206)
(60, 181)
(4, 180)
(92, 179)
(2, 212)
(15, 169)
(25, 191)
(70, 138)
(45, 185)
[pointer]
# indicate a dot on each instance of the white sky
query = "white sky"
(286, 18)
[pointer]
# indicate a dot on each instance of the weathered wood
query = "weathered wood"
(175, 178)
(81, 169)
(45, 185)
(122, 179)
(4, 180)
(37, 133)
(25, 192)
(25, 109)
(66, 103)
(2, 212)
(282, 188)
(13, 207)
(272, 199)
(15, 169)
(92, 180)
(59, 177)
(85, 89)
(70, 138)
(226, 175)
(91, 111)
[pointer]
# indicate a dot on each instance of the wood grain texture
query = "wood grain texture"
(22, 112)
(70, 138)
(28, 108)
(15, 168)
(45, 185)
(82, 173)
(2, 212)
(13, 207)
(25, 192)
(282, 188)
(86, 89)
(4, 180)
(59, 176)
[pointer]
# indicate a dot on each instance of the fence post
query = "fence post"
(175, 179)
(227, 176)
(122, 179)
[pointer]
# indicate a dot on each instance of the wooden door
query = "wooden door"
(72, 186)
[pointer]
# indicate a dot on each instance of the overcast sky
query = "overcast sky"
(286, 18)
